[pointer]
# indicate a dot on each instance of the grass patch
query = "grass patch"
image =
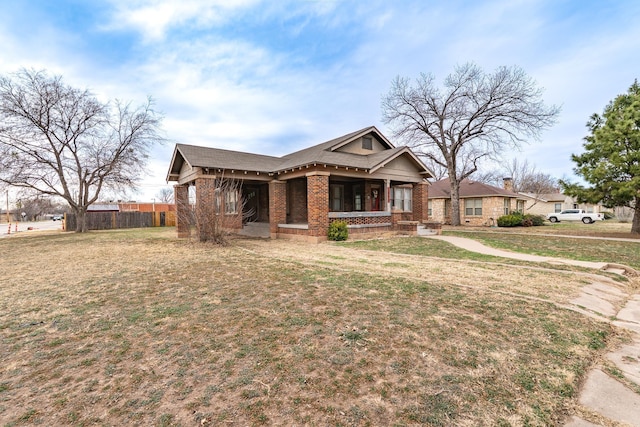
(620, 252)
(135, 327)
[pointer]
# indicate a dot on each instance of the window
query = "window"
(367, 143)
(402, 198)
(357, 198)
(520, 206)
(231, 202)
(507, 206)
(429, 209)
(336, 199)
(473, 207)
(557, 207)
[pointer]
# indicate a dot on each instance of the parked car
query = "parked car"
(57, 217)
(575, 215)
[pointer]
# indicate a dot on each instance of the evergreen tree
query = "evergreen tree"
(611, 161)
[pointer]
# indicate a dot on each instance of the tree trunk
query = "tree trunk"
(81, 220)
(635, 223)
(455, 201)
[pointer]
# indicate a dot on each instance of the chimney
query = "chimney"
(508, 184)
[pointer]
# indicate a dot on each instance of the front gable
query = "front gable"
(364, 145)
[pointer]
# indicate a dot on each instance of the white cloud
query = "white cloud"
(153, 18)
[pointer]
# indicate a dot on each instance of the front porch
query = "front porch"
(304, 207)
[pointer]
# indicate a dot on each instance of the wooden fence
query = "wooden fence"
(116, 220)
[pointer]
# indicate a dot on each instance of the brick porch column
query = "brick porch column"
(205, 208)
(277, 206)
(421, 201)
(318, 204)
(183, 210)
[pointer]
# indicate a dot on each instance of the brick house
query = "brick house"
(360, 178)
(542, 204)
(480, 204)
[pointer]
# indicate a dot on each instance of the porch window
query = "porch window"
(402, 198)
(336, 197)
(520, 206)
(429, 209)
(507, 206)
(473, 207)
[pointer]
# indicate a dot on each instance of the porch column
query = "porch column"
(421, 201)
(387, 194)
(277, 206)
(205, 208)
(318, 204)
(183, 210)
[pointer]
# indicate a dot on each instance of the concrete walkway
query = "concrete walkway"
(605, 400)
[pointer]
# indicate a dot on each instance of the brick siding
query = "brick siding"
(277, 205)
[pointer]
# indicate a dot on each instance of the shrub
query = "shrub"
(534, 220)
(338, 231)
(511, 220)
(517, 219)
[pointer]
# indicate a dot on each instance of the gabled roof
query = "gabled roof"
(325, 153)
(206, 157)
(468, 189)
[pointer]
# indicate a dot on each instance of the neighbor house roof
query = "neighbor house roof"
(325, 153)
(468, 189)
(103, 207)
(547, 197)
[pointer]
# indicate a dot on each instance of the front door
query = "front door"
(375, 197)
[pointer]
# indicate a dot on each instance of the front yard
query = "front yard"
(138, 328)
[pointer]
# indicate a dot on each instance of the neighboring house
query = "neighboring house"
(542, 204)
(480, 204)
(360, 178)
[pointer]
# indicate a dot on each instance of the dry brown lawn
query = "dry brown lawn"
(138, 328)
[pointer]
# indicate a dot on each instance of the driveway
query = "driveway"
(28, 226)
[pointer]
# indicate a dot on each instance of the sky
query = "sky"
(276, 76)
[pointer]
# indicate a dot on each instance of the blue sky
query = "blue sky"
(276, 76)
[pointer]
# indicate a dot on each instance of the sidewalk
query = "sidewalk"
(604, 400)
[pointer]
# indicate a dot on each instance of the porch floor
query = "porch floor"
(255, 229)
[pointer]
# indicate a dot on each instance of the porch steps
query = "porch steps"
(429, 229)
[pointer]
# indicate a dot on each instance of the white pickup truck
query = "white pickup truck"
(575, 215)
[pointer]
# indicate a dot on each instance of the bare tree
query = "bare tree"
(57, 140)
(165, 195)
(34, 206)
(475, 117)
(218, 213)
